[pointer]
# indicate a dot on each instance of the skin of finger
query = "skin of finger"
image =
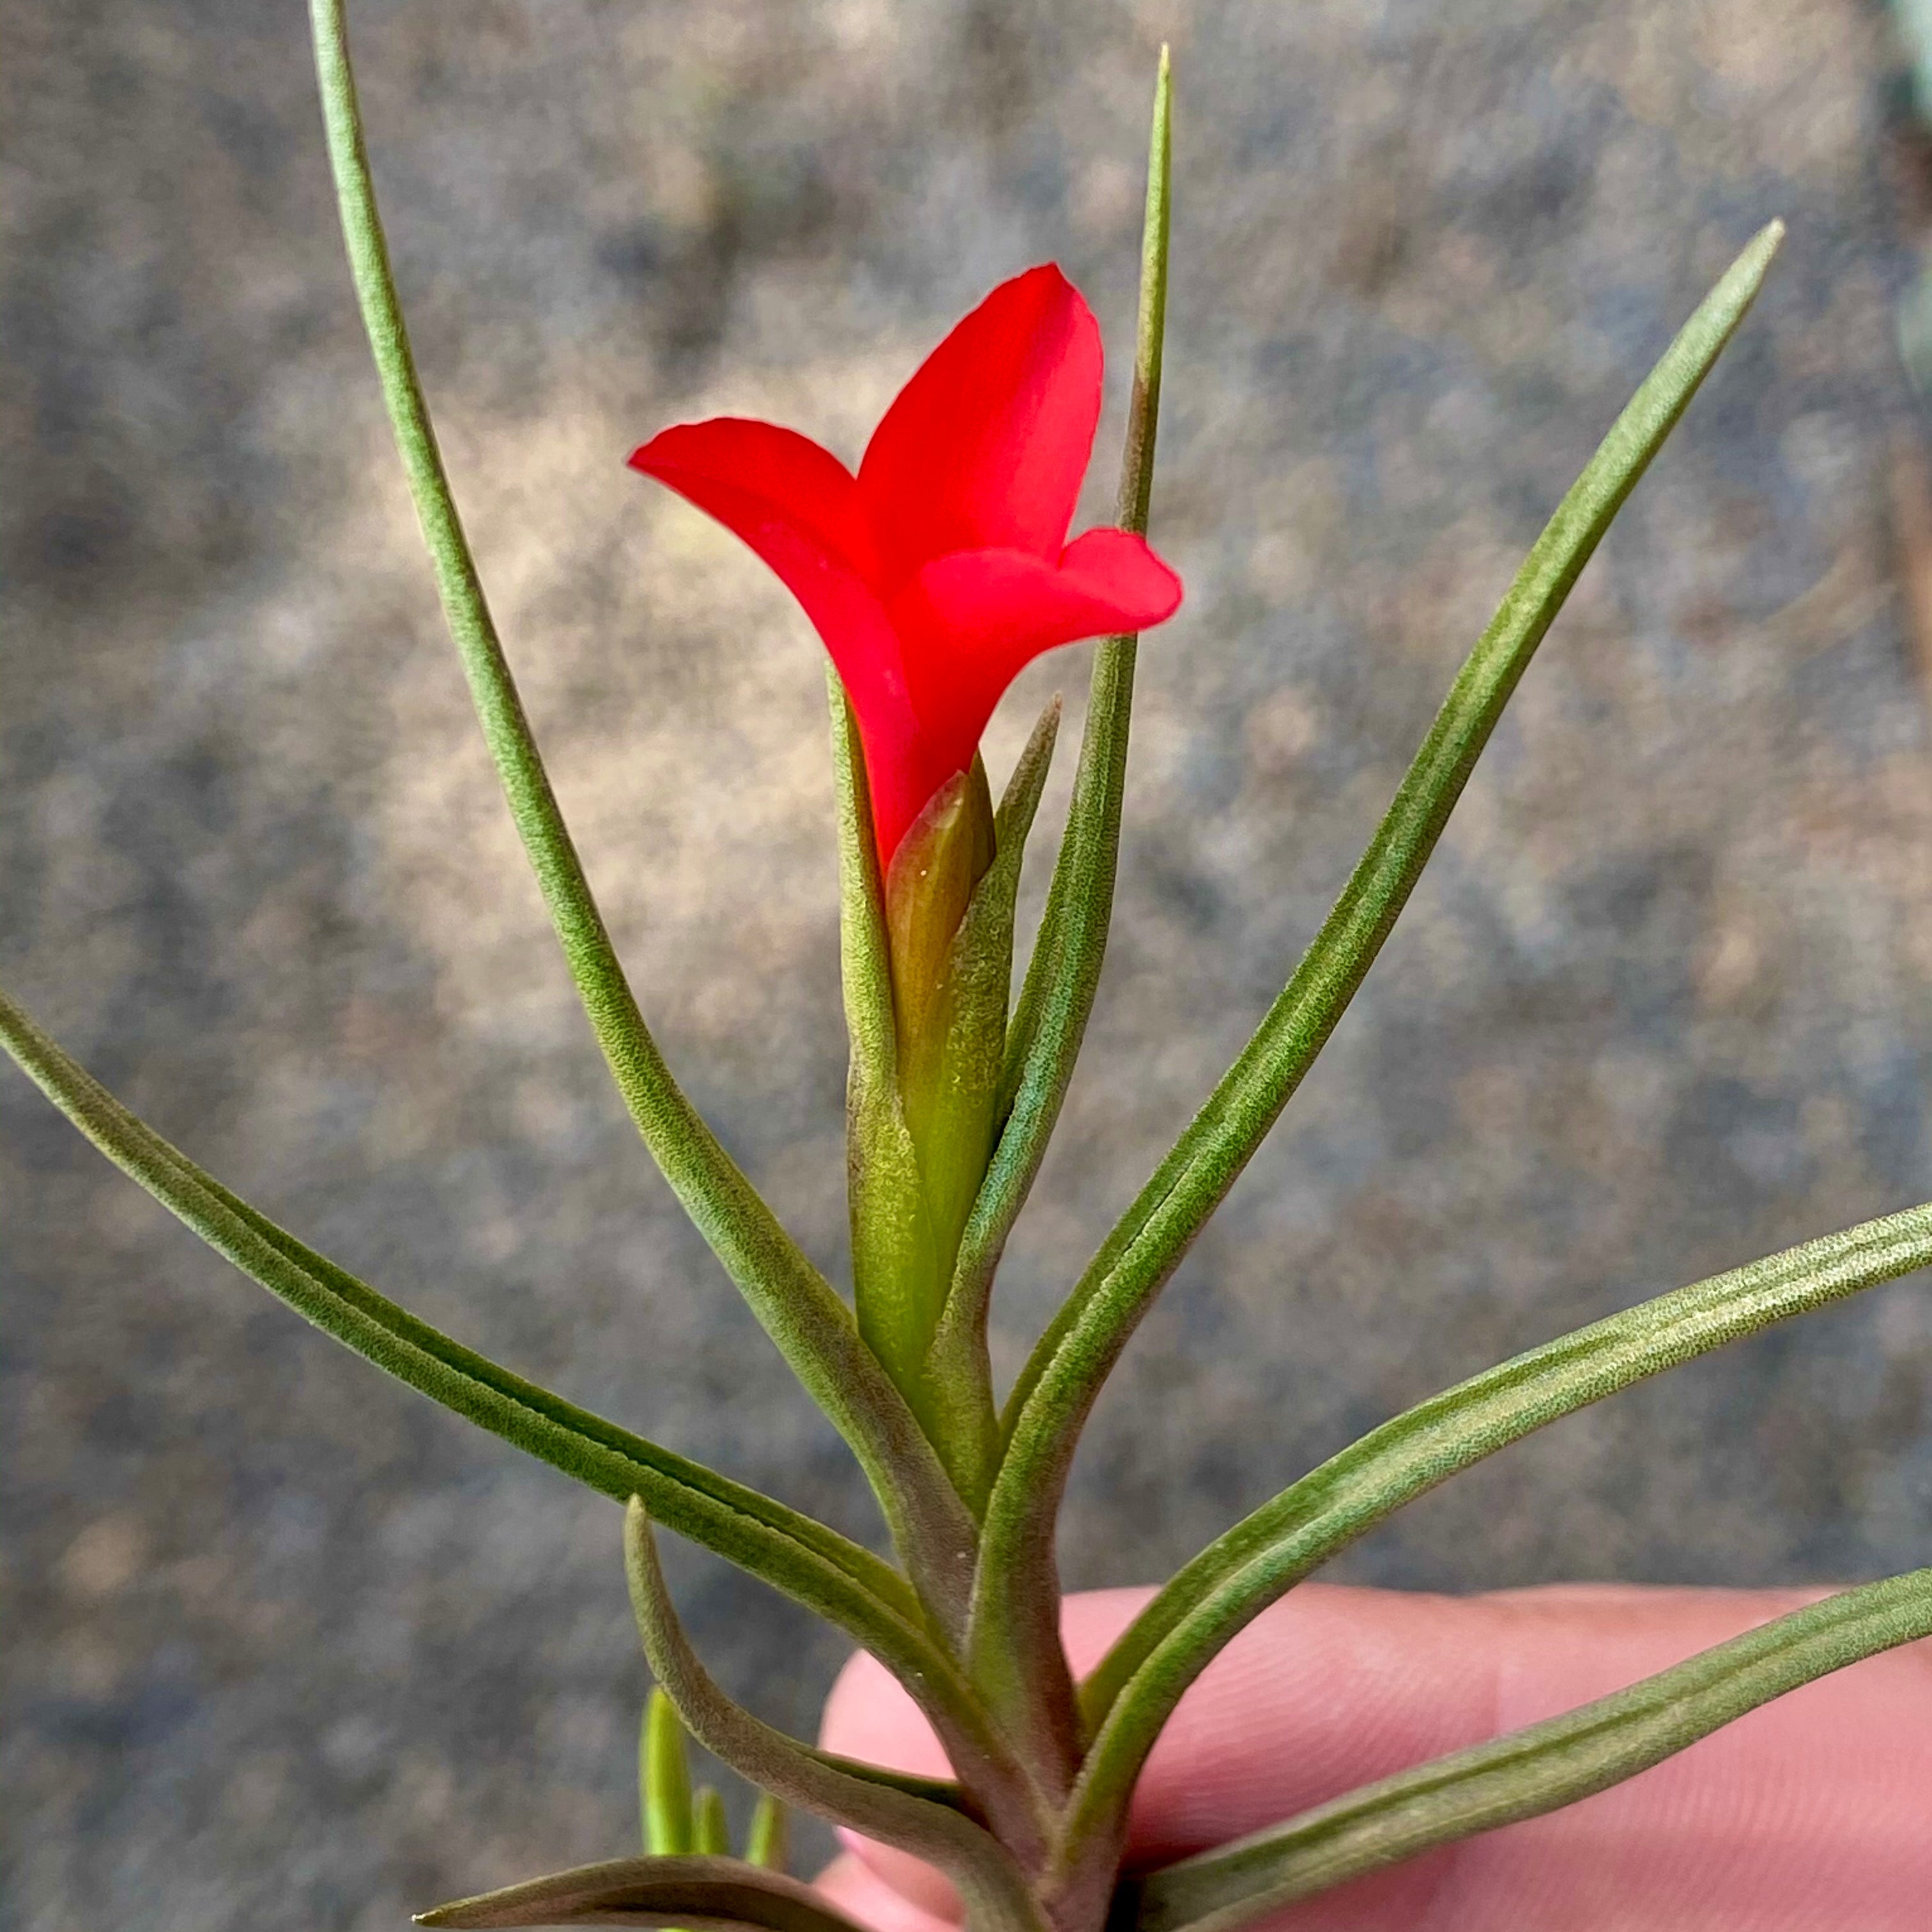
(850, 1883)
(1815, 1811)
(1813, 1814)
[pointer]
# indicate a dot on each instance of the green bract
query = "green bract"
(955, 1088)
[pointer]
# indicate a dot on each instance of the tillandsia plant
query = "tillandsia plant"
(932, 575)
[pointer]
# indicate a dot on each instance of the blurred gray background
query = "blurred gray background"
(286, 1646)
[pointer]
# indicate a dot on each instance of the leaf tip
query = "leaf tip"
(1758, 252)
(1727, 303)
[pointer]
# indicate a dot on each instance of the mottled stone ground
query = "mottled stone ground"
(285, 1647)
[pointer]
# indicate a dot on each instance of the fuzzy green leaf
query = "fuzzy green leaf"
(905, 1222)
(664, 1782)
(949, 1070)
(956, 1379)
(710, 1833)
(895, 1269)
(769, 1841)
(1057, 1388)
(916, 1814)
(865, 952)
(895, 1259)
(1049, 1020)
(792, 1301)
(1530, 1771)
(1131, 1696)
(706, 1894)
(847, 1584)
(1015, 1655)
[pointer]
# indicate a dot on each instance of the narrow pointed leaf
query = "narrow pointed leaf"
(931, 880)
(893, 1249)
(916, 1814)
(968, 1016)
(664, 1776)
(865, 954)
(1131, 1696)
(895, 1266)
(769, 1841)
(1014, 1647)
(707, 1895)
(901, 1234)
(1049, 1020)
(710, 1835)
(957, 1376)
(1057, 1388)
(847, 1584)
(1530, 1771)
(792, 1301)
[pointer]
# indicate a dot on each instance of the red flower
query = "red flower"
(942, 568)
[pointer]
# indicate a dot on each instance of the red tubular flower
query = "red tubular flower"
(943, 567)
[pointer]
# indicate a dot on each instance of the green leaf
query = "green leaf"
(827, 1572)
(895, 1269)
(865, 952)
(664, 1781)
(769, 1841)
(1134, 1691)
(1014, 1651)
(792, 1301)
(847, 1585)
(922, 1093)
(1531, 1771)
(1049, 1020)
(916, 1814)
(955, 1388)
(710, 1835)
(1057, 1388)
(893, 1252)
(707, 1895)
(952, 979)
(939, 866)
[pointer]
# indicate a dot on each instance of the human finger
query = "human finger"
(1816, 1810)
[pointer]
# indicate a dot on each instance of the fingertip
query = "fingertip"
(869, 1716)
(851, 1884)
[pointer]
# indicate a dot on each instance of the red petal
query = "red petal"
(778, 490)
(797, 506)
(973, 620)
(1006, 602)
(985, 448)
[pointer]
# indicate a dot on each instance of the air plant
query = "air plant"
(932, 575)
